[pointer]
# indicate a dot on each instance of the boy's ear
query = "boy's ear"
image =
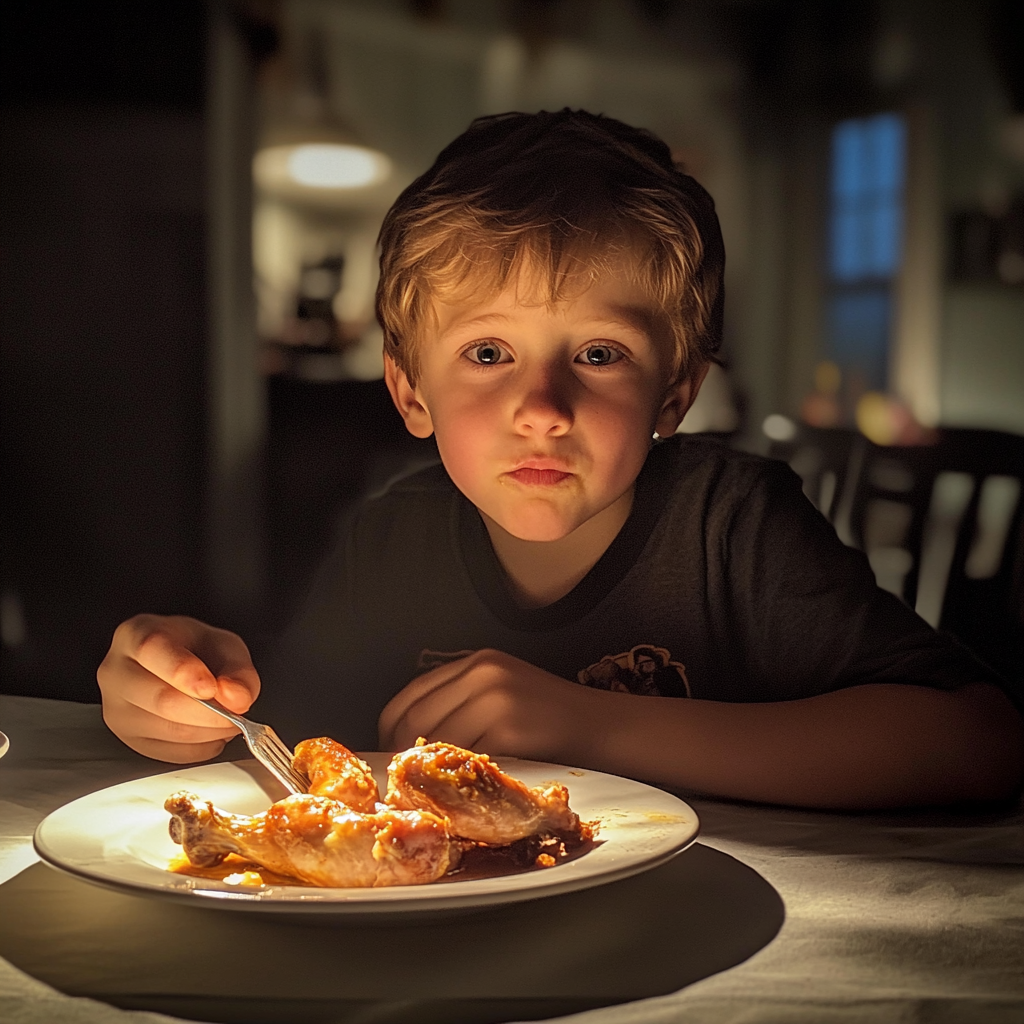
(407, 400)
(678, 400)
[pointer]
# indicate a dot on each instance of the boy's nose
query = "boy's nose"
(544, 408)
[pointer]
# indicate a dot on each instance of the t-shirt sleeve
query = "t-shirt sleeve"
(812, 617)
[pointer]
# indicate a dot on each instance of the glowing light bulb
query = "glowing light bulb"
(336, 166)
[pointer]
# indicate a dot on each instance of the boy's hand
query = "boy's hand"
(494, 703)
(154, 661)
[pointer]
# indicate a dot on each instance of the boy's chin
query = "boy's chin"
(541, 536)
(540, 529)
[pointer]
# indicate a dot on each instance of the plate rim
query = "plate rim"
(441, 899)
(5, 743)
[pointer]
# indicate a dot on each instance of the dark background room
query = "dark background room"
(191, 371)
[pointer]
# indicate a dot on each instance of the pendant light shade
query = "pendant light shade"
(305, 150)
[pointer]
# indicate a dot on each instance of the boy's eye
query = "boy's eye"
(599, 355)
(488, 353)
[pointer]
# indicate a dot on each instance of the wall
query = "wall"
(983, 357)
(982, 324)
(101, 385)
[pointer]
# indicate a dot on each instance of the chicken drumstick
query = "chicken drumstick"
(336, 772)
(479, 800)
(318, 840)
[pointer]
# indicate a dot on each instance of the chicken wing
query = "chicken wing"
(318, 841)
(335, 772)
(479, 800)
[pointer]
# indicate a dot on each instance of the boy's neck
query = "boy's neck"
(541, 572)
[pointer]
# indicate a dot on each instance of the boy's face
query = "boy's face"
(543, 414)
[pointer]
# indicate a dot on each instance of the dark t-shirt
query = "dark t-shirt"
(724, 584)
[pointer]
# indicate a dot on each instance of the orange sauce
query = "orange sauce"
(476, 862)
(234, 870)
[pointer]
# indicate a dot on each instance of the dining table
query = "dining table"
(774, 915)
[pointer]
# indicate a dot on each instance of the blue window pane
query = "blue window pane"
(847, 159)
(868, 168)
(845, 245)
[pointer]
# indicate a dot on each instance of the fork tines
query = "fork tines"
(278, 758)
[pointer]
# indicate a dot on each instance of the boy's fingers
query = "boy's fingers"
(419, 689)
(424, 715)
(139, 688)
(467, 726)
(470, 724)
(462, 727)
(167, 658)
(409, 710)
(237, 692)
(145, 726)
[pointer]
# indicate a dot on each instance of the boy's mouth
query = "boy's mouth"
(542, 477)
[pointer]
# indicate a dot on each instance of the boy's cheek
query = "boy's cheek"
(461, 457)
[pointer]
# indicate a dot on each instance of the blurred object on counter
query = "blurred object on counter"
(821, 407)
(886, 420)
(312, 341)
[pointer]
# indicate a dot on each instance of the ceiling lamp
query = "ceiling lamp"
(320, 166)
(306, 151)
(332, 165)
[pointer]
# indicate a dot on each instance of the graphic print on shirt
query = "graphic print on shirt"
(645, 670)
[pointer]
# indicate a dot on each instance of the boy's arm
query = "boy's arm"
(873, 746)
(864, 747)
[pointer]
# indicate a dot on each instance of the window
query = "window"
(865, 247)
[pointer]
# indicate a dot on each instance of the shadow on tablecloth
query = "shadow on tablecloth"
(658, 932)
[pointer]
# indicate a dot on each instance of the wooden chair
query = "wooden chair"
(941, 524)
(963, 541)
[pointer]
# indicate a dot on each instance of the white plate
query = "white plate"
(118, 838)
(4, 744)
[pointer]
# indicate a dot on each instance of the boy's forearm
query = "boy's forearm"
(871, 746)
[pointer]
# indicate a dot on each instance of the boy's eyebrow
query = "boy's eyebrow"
(635, 318)
(483, 318)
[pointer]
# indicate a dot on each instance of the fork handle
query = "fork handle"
(215, 705)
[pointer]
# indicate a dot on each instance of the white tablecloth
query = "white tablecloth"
(888, 918)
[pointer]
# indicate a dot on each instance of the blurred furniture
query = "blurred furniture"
(941, 524)
(886, 918)
(827, 460)
(328, 444)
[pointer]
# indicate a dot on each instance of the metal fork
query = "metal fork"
(266, 746)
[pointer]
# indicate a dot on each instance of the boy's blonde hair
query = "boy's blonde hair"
(552, 200)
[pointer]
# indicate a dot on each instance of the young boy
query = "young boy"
(561, 588)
